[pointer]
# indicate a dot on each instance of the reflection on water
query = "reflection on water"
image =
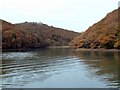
(60, 68)
(104, 64)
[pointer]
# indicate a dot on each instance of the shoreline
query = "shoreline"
(31, 49)
(100, 49)
(60, 47)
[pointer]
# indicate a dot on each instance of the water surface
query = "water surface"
(60, 68)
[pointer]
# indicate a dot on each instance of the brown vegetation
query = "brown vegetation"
(104, 34)
(34, 35)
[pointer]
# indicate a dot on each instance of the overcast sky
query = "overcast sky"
(75, 15)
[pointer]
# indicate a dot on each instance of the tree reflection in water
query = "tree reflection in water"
(105, 64)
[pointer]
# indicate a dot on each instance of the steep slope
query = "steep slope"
(103, 34)
(33, 35)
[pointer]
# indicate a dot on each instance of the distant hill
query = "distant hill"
(103, 34)
(33, 35)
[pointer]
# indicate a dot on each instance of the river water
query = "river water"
(60, 68)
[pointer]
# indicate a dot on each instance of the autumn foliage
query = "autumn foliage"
(103, 34)
(34, 35)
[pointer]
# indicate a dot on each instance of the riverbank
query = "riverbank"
(100, 49)
(79, 49)
(58, 47)
(21, 50)
(31, 49)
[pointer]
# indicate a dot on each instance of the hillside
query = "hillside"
(103, 34)
(33, 35)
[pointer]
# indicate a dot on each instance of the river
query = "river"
(60, 68)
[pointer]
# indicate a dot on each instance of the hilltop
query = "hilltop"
(33, 35)
(103, 34)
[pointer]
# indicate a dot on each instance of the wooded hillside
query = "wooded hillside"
(103, 34)
(34, 35)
